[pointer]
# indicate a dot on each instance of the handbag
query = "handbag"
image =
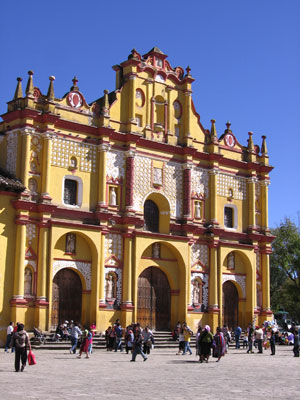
(31, 358)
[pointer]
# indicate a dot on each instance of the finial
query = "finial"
(50, 94)
(18, 92)
(188, 70)
(75, 81)
(264, 150)
(213, 131)
(228, 125)
(29, 87)
(106, 101)
(250, 142)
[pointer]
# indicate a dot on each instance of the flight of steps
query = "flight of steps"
(162, 340)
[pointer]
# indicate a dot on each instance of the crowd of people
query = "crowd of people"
(140, 341)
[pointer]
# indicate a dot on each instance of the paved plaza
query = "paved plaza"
(60, 375)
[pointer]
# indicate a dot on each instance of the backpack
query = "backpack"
(118, 331)
(20, 339)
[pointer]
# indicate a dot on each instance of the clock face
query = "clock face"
(229, 140)
(75, 99)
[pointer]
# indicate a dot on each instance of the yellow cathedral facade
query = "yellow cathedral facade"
(129, 208)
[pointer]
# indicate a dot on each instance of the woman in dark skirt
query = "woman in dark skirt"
(84, 348)
(205, 343)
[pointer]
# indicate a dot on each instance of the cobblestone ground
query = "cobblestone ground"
(164, 375)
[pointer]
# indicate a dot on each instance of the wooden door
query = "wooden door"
(230, 305)
(154, 299)
(66, 297)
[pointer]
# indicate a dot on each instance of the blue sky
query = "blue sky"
(244, 55)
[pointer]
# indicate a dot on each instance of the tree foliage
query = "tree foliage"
(285, 269)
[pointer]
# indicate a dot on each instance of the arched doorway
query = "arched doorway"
(66, 297)
(153, 308)
(230, 305)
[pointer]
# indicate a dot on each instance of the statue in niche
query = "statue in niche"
(73, 162)
(156, 250)
(196, 292)
(230, 261)
(112, 197)
(32, 185)
(109, 287)
(197, 210)
(27, 282)
(71, 243)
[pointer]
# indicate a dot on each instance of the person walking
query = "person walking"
(237, 334)
(75, 332)
(187, 333)
(250, 332)
(9, 334)
(205, 341)
(272, 343)
(137, 347)
(296, 343)
(220, 344)
(84, 348)
(148, 340)
(20, 341)
(118, 335)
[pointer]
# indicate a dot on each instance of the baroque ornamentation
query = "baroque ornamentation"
(172, 187)
(237, 184)
(200, 182)
(204, 278)
(30, 231)
(199, 252)
(83, 267)
(115, 164)
(12, 151)
(113, 246)
(118, 272)
(239, 279)
(63, 149)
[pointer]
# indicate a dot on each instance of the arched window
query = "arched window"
(151, 216)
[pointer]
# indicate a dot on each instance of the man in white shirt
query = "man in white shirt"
(9, 332)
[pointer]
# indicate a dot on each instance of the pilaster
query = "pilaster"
(47, 149)
(213, 178)
(251, 203)
(102, 154)
(132, 100)
(264, 204)
(129, 181)
(187, 179)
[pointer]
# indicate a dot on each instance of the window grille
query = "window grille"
(70, 192)
(151, 216)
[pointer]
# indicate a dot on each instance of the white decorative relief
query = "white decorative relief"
(63, 149)
(204, 278)
(239, 279)
(257, 191)
(237, 184)
(199, 252)
(118, 272)
(113, 245)
(83, 267)
(30, 231)
(115, 164)
(12, 151)
(258, 271)
(172, 187)
(200, 182)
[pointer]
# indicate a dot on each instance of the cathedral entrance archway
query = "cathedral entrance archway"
(66, 297)
(230, 305)
(153, 308)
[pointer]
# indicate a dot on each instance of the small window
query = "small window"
(228, 217)
(70, 192)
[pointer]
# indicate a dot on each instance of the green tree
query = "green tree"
(285, 269)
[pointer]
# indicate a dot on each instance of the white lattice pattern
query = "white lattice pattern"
(63, 149)
(204, 278)
(12, 151)
(83, 267)
(172, 184)
(113, 245)
(115, 164)
(239, 279)
(237, 184)
(200, 182)
(199, 252)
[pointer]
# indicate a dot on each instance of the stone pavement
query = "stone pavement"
(60, 375)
